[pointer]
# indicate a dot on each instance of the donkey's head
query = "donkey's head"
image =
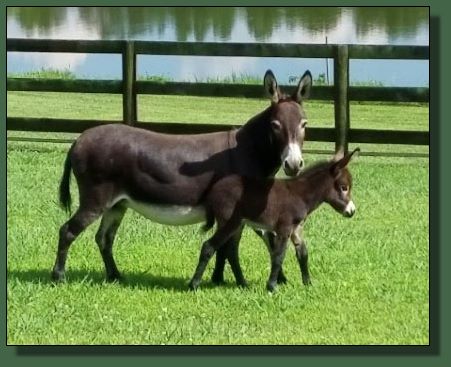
(339, 195)
(288, 120)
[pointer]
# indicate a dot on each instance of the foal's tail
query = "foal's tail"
(210, 220)
(64, 189)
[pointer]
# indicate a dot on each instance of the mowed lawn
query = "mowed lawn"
(369, 273)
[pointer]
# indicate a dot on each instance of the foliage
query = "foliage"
(234, 78)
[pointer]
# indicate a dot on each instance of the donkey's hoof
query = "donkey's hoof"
(58, 276)
(242, 284)
(113, 278)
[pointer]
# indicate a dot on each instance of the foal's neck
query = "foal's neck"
(312, 188)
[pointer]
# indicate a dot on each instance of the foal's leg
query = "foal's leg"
(277, 256)
(268, 238)
(229, 251)
(302, 256)
(220, 237)
(111, 221)
(68, 233)
(221, 256)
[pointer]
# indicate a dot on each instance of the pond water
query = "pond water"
(342, 25)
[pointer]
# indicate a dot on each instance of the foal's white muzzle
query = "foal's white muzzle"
(349, 210)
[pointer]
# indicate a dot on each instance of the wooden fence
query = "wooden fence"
(341, 92)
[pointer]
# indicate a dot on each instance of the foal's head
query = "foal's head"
(339, 194)
(288, 120)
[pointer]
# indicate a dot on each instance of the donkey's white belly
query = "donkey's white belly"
(176, 215)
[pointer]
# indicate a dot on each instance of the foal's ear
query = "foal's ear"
(343, 161)
(303, 89)
(338, 155)
(271, 88)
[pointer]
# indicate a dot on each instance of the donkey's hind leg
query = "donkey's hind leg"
(68, 233)
(105, 235)
(268, 238)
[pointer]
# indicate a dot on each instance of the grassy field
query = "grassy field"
(369, 273)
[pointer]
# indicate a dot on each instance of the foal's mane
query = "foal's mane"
(314, 169)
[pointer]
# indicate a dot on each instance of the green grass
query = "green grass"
(369, 273)
(197, 109)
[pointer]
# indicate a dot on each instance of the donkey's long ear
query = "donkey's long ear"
(343, 162)
(303, 90)
(271, 88)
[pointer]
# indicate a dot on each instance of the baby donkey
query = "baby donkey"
(276, 206)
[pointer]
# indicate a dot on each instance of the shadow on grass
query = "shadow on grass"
(131, 279)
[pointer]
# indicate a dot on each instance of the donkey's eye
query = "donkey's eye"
(276, 124)
(304, 123)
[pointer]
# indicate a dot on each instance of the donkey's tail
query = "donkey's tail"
(210, 220)
(64, 189)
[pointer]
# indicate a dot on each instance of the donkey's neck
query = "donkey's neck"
(256, 141)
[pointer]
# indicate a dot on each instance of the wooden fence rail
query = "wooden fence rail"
(341, 93)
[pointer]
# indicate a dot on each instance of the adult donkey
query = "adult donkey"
(166, 177)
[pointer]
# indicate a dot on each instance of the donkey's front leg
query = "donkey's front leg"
(301, 255)
(277, 256)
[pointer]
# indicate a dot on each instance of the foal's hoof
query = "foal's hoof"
(217, 279)
(242, 284)
(282, 279)
(306, 281)
(193, 286)
(271, 287)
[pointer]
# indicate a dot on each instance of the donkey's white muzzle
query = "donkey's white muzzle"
(292, 159)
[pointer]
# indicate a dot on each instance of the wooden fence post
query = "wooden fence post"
(341, 101)
(129, 83)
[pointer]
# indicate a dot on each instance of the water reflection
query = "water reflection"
(223, 24)
(226, 23)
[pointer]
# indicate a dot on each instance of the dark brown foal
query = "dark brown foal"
(279, 207)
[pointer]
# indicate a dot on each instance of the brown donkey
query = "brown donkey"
(166, 177)
(276, 206)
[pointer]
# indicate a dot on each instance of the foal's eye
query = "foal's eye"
(304, 123)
